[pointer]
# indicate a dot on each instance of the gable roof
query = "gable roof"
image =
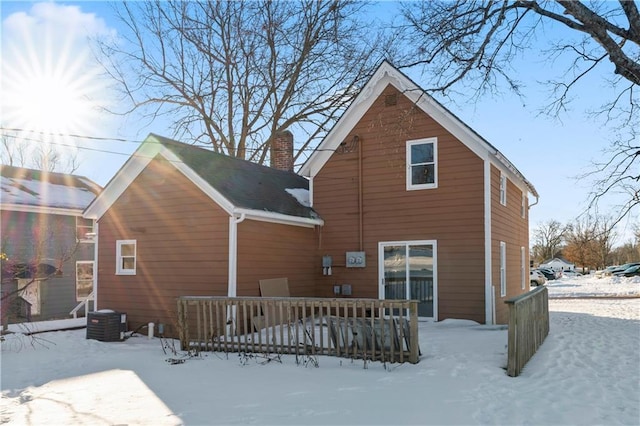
(25, 189)
(387, 74)
(558, 260)
(238, 186)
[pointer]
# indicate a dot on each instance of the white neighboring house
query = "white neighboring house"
(558, 264)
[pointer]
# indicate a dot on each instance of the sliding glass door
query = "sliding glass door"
(408, 271)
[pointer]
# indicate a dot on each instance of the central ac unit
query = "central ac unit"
(106, 325)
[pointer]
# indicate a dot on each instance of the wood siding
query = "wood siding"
(507, 225)
(452, 214)
(35, 238)
(271, 250)
(182, 247)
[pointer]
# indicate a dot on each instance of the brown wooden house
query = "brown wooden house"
(180, 220)
(400, 191)
(424, 200)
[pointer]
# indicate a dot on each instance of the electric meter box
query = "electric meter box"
(355, 259)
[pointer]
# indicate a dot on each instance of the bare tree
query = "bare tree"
(581, 247)
(618, 173)
(473, 44)
(37, 154)
(604, 239)
(233, 74)
(626, 253)
(548, 239)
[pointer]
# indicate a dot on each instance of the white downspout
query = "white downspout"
(232, 289)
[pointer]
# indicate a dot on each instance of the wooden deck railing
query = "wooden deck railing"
(528, 327)
(381, 330)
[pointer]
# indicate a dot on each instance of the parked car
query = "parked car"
(571, 274)
(623, 268)
(606, 271)
(632, 271)
(549, 274)
(536, 278)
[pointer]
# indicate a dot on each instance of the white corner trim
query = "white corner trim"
(96, 229)
(488, 287)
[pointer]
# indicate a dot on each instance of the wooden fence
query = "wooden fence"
(381, 330)
(528, 327)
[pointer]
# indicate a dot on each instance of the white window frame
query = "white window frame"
(93, 270)
(503, 189)
(82, 237)
(503, 269)
(120, 269)
(523, 208)
(410, 185)
(522, 268)
(407, 244)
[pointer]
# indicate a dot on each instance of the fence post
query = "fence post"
(413, 332)
(183, 326)
(528, 327)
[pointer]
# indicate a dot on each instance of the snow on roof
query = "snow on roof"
(301, 195)
(29, 187)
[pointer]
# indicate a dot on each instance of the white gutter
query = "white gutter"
(232, 289)
(44, 210)
(488, 288)
(509, 165)
(273, 217)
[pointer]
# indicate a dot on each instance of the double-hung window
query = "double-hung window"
(503, 189)
(84, 279)
(422, 163)
(126, 257)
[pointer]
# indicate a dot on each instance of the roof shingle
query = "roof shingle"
(243, 183)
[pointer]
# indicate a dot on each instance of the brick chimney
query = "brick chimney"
(282, 151)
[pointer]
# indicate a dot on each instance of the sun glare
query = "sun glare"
(50, 83)
(50, 104)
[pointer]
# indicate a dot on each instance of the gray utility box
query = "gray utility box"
(106, 325)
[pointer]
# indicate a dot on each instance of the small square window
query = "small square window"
(422, 157)
(126, 257)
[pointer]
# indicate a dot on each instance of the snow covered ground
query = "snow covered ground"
(587, 372)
